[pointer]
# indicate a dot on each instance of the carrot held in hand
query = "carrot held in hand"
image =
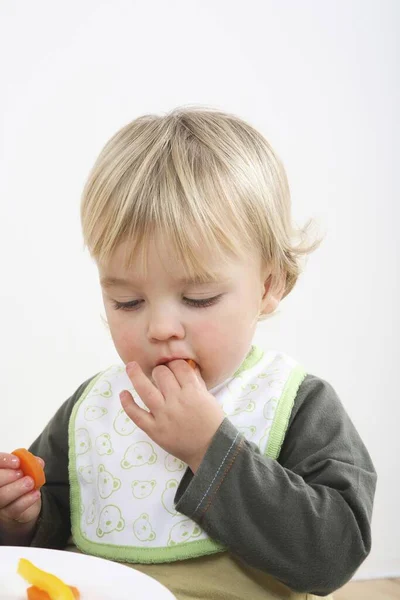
(29, 465)
(191, 363)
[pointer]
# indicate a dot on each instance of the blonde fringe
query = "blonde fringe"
(200, 178)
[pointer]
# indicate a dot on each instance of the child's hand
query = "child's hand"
(20, 504)
(183, 415)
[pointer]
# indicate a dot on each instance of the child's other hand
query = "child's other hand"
(20, 504)
(183, 415)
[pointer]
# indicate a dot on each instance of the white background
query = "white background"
(319, 79)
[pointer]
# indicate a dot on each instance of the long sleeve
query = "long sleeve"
(304, 518)
(54, 524)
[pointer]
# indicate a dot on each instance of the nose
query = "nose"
(164, 324)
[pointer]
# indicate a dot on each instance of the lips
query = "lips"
(168, 359)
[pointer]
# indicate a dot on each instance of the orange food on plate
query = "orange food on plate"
(29, 465)
(35, 593)
(54, 587)
(191, 363)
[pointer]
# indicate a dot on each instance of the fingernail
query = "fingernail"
(28, 483)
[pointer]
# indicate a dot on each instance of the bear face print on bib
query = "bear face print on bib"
(123, 485)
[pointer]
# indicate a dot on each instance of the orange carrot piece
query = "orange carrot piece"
(29, 465)
(191, 363)
(35, 593)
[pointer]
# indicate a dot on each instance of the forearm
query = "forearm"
(17, 534)
(305, 525)
(54, 524)
(264, 513)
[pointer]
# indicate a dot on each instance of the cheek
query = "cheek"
(209, 333)
(221, 347)
(127, 341)
(234, 321)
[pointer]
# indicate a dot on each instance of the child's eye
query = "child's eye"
(133, 304)
(204, 302)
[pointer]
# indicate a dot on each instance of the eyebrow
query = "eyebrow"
(109, 281)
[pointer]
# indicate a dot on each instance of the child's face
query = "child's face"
(163, 321)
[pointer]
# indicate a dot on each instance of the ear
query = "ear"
(273, 291)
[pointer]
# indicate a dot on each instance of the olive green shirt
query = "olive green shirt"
(297, 524)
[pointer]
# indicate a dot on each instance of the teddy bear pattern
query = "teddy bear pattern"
(125, 484)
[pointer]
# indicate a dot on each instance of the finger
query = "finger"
(40, 461)
(185, 374)
(166, 381)
(200, 379)
(148, 392)
(143, 419)
(9, 476)
(25, 508)
(8, 461)
(11, 492)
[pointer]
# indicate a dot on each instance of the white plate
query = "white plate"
(96, 578)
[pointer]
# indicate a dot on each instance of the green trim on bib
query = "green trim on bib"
(179, 550)
(148, 555)
(74, 489)
(283, 412)
(253, 357)
(128, 553)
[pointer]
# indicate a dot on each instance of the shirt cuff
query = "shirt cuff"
(196, 492)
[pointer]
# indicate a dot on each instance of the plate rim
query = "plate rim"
(16, 552)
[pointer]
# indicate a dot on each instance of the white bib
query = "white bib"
(123, 484)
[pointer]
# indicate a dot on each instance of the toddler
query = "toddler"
(239, 476)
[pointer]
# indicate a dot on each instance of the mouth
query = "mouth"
(164, 361)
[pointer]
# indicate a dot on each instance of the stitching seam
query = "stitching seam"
(238, 449)
(219, 468)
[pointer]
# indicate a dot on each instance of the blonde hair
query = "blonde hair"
(197, 176)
